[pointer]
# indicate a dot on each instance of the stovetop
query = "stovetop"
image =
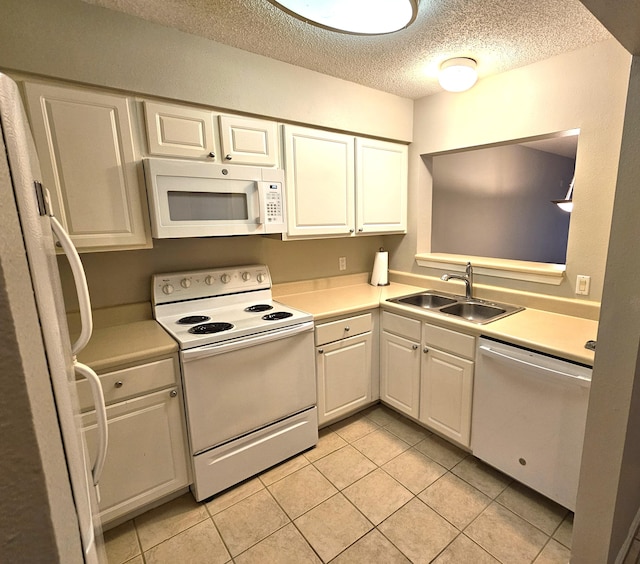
(204, 307)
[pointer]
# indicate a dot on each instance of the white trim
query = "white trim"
(543, 273)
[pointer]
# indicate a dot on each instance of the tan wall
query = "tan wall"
(609, 493)
(125, 277)
(73, 40)
(584, 89)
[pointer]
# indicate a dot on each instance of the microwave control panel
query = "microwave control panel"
(273, 205)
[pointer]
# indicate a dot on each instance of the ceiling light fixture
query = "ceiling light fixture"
(567, 203)
(359, 17)
(458, 75)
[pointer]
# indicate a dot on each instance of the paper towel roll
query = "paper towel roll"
(380, 274)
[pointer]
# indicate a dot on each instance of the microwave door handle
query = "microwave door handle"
(261, 202)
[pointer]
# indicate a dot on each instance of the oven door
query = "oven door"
(239, 386)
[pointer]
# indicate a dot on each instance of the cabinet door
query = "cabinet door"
(85, 147)
(344, 377)
(319, 168)
(400, 373)
(381, 186)
(445, 394)
(179, 131)
(146, 456)
(249, 141)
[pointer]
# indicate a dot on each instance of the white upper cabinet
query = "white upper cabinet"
(381, 186)
(178, 131)
(84, 141)
(198, 133)
(249, 141)
(320, 183)
(340, 185)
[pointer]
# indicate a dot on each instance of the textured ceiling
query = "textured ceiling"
(499, 34)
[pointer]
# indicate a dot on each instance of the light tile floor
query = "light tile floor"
(376, 489)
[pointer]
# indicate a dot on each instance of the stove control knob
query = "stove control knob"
(246, 276)
(185, 282)
(225, 278)
(261, 278)
(167, 289)
(209, 280)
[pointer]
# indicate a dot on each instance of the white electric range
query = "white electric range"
(248, 371)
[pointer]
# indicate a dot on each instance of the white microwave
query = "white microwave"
(199, 199)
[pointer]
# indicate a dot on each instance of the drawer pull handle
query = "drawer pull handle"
(119, 384)
(173, 393)
(414, 347)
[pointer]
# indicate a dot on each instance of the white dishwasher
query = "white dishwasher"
(529, 414)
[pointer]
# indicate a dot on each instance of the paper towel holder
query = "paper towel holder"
(376, 267)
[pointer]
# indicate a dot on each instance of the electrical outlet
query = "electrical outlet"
(582, 285)
(342, 263)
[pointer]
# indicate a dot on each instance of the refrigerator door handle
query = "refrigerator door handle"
(80, 280)
(101, 418)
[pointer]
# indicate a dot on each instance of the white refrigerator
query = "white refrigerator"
(49, 487)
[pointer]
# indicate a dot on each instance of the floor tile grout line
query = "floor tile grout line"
(350, 442)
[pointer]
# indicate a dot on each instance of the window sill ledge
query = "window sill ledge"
(540, 272)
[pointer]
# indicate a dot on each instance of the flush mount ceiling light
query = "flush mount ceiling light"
(567, 203)
(458, 75)
(360, 17)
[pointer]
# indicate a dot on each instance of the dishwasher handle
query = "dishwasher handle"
(579, 380)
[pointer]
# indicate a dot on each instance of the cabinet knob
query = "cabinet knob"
(212, 155)
(228, 157)
(360, 230)
(414, 347)
(173, 393)
(119, 384)
(320, 351)
(350, 230)
(347, 328)
(425, 350)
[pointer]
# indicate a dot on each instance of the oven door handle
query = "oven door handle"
(243, 343)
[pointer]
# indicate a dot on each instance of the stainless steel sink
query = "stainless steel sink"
(474, 310)
(427, 300)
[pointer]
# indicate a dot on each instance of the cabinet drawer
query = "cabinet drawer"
(452, 341)
(129, 382)
(348, 327)
(399, 325)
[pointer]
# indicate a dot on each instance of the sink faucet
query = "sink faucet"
(467, 279)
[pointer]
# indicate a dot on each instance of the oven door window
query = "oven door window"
(208, 206)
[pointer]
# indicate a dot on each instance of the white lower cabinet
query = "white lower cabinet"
(146, 458)
(427, 373)
(446, 388)
(345, 361)
(400, 373)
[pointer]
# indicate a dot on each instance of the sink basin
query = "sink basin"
(472, 311)
(426, 300)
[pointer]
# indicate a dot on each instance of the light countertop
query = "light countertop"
(138, 341)
(551, 333)
(128, 344)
